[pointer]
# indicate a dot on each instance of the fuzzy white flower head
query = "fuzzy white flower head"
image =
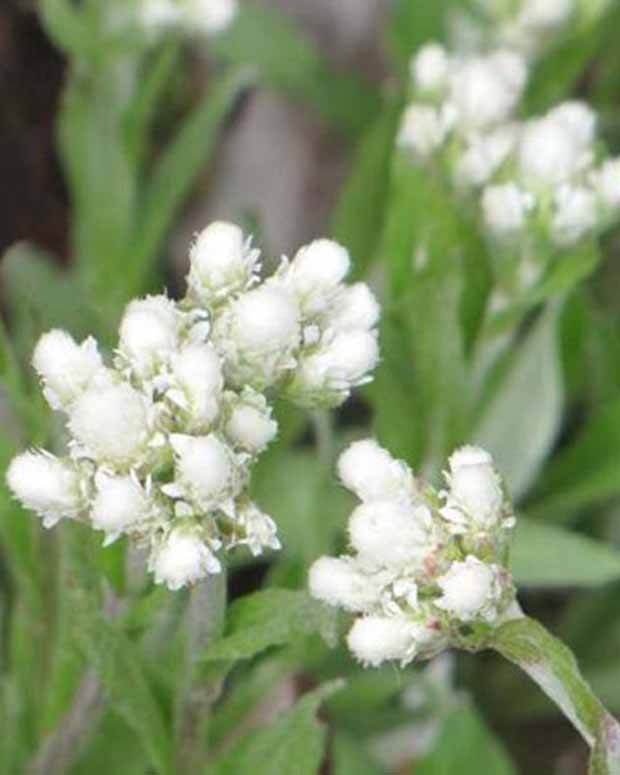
(504, 209)
(484, 154)
(355, 307)
(391, 533)
(575, 214)
(423, 130)
(377, 639)
(183, 558)
(546, 14)
(120, 505)
(156, 15)
(50, 487)
(338, 582)
(206, 471)
(577, 118)
(111, 423)
(221, 262)
(65, 367)
(475, 498)
(149, 333)
(469, 590)
(199, 381)
(250, 425)
(315, 274)
(259, 531)
(486, 90)
(371, 473)
(209, 16)
(607, 183)
(430, 68)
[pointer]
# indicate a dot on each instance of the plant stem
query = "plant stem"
(321, 421)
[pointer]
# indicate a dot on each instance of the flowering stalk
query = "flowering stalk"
(429, 570)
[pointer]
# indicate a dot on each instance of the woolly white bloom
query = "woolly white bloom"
(575, 214)
(315, 274)
(484, 154)
(258, 531)
(149, 333)
(469, 590)
(111, 424)
(337, 581)
(546, 13)
(475, 497)
(183, 558)
(66, 368)
(430, 68)
(48, 486)
(355, 307)
(372, 473)
(377, 639)
(577, 118)
(205, 471)
(250, 425)
(197, 374)
(423, 129)
(157, 15)
(209, 16)
(607, 183)
(504, 208)
(221, 262)
(119, 505)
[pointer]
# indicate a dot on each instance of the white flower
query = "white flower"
(199, 381)
(484, 154)
(577, 118)
(485, 90)
(423, 130)
(469, 590)
(149, 333)
(337, 581)
(111, 424)
(120, 504)
(372, 473)
(258, 530)
(205, 471)
(47, 485)
(504, 208)
(391, 533)
(546, 13)
(182, 559)
(475, 497)
(430, 67)
(221, 262)
(157, 15)
(209, 16)
(607, 183)
(66, 368)
(575, 214)
(315, 274)
(377, 639)
(250, 425)
(355, 307)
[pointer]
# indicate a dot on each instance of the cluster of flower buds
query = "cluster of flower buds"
(195, 17)
(162, 440)
(428, 567)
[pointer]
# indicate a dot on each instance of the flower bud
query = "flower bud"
(210, 16)
(315, 274)
(607, 183)
(372, 473)
(545, 14)
(250, 425)
(197, 372)
(182, 559)
(205, 469)
(423, 130)
(148, 333)
(430, 68)
(377, 639)
(504, 209)
(475, 486)
(391, 533)
(354, 308)
(337, 582)
(65, 367)
(484, 155)
(111, 423)
(258, 530)
(47, 485)
(470, 590)
(221, 262)
(575, 214)
(578, 119)
(119, 505)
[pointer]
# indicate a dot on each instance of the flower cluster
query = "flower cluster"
(427, 565)
(207, 17)
(162, 440)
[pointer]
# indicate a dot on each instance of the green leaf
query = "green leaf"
(351, 758)
(605, 759)
(520, 423)
(285, 60)
(271, 617)
(296, 741)
(466, 746)
(549, 556)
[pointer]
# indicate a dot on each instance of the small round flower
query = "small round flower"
(205, 470)
(575, 214)
(197, 374)
(423, 130)
(257, 530)
(111, 423)
(392, 534)
(354, 308)
(338, 582)
(149, 333)
(47, 485)
(66, 368)
(469, 590)
(209, 16)
(504, 209)
(377, 639)
(250, 425)
(183, 558)
(484, 154)
(546, 14)
(315, 274)
(157, 15)
(372, 473)
(120, 504)
(475, 487)
(577, 118)
(430, 68)
(221, 262)
(607, 183)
